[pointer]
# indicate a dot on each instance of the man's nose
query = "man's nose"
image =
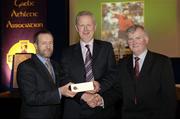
(48, 46)
(85, 28)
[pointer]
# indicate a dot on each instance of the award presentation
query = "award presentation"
(81, 87)
(43, 92)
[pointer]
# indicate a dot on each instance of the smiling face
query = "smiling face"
(138, 41)
(44, 45)
(85, 27)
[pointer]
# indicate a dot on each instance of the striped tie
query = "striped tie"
(88, 65)
(50, 69)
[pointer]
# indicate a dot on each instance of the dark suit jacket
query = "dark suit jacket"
(74, 71)
(155, 89)
(40, 96)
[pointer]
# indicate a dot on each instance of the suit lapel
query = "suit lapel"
(79, 62)
(130, 66)
(146, 65)
(96, 50)
(56, 72)
(42, 69)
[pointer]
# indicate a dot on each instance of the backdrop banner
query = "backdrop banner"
(19, 21)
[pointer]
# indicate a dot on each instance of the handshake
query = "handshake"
(90, 95)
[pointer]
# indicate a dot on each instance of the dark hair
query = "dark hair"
(44, 31)
(133, 28)
(83, 13)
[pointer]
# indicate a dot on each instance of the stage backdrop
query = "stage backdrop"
(160, 19)
(19, 21)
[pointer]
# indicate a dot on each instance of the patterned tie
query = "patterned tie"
(50, 69)
(136, 70)
(136, 67)
(88, 65)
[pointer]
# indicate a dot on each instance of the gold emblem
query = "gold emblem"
(23, 46)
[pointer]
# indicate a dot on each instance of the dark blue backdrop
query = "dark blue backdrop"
(57, 23)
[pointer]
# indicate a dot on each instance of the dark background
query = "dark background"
(58, 24)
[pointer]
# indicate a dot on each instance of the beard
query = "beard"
(47, 53)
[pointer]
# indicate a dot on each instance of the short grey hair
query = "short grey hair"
(84, 13)
(134, 27)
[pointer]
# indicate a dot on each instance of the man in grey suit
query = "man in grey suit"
(39, 81)
(101, 70)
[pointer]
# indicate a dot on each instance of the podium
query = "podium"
(17, 59)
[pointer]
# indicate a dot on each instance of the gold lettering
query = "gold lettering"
(27, 3)
(24, 25)
(23, 14)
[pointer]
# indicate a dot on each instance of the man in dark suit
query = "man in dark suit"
(145, 82)
(39, 80)
(74, 68)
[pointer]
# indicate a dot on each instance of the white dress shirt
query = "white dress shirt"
(141, 60)
(84, 49)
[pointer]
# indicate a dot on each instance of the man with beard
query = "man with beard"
(38, 81)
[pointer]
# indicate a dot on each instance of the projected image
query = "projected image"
(116, 18)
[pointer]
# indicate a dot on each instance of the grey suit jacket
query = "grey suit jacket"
(40, 96)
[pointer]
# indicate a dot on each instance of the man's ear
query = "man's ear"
(95, 27)
(146, 39)
(35, 45)
(76, 28)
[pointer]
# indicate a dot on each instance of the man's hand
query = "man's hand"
(97, 101)
(65, 91)
(92, 100)
(96, 87)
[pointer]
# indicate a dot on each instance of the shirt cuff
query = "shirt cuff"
(102, 104)
(60, 95)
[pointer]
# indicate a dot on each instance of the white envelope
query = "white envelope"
(81, 87)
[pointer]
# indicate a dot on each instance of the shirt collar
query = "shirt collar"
(42, 59)
(90, 43)
(142, 55)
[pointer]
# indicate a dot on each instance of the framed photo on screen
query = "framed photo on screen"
(116, 17)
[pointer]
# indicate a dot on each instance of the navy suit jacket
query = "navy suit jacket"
(104, 69)
(40, 96)
(155, 88)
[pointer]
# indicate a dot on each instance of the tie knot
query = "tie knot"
(87, 46)
(47, 59)
(88, 49)
(136, 59)
(48, 63)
